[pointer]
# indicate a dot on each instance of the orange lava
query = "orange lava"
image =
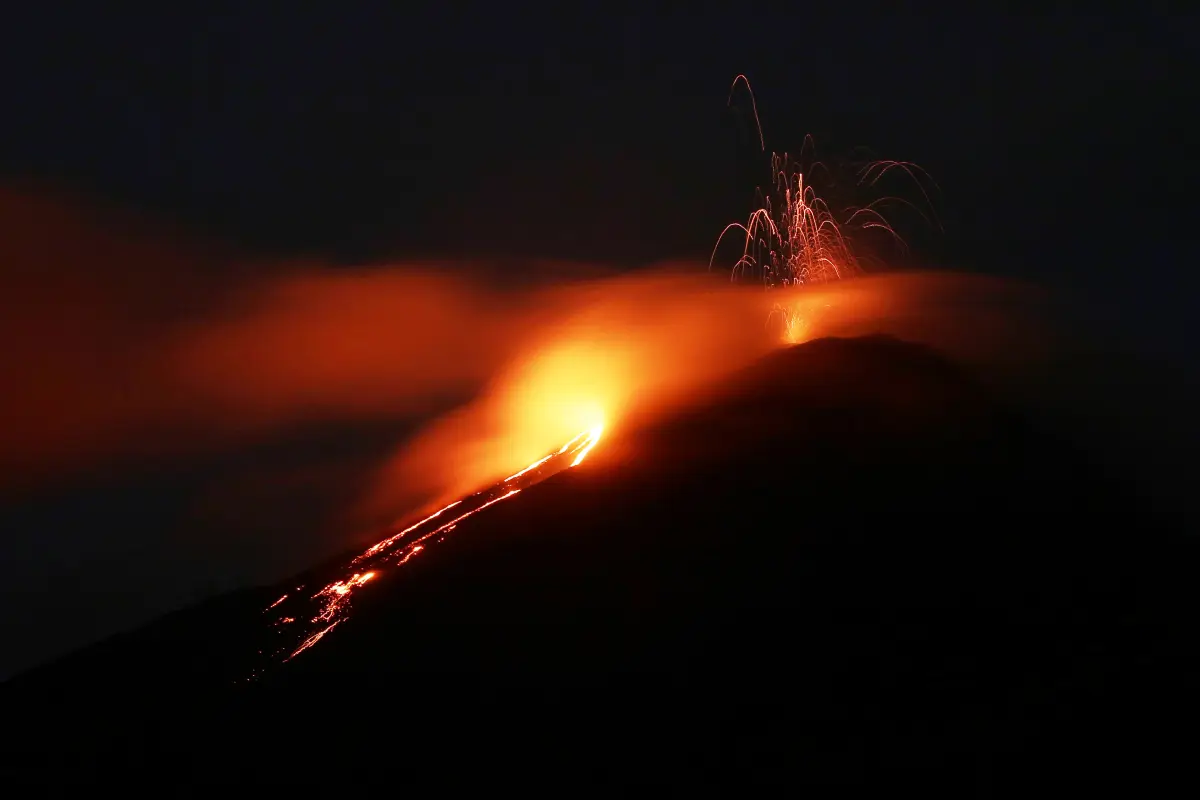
(379, 547)
(593, 436)
(316, 637)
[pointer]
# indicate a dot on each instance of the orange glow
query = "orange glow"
(207, 358)
(619, 348)
(181, 357)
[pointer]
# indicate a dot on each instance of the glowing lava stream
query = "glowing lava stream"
(303, 619)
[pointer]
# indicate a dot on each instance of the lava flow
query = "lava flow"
(300, 619)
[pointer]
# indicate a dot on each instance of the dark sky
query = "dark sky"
(598, 131)
(590, 131)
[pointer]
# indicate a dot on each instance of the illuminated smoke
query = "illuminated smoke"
(159, 354)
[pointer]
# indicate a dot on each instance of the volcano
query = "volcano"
(852, 559)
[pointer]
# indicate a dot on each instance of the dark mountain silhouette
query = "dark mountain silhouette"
(852, 561)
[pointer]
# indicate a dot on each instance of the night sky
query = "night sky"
(362, 132)
(597, 131)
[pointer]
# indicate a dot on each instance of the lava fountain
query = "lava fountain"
(793, 236)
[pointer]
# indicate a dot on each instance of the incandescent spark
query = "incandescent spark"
(793, 237)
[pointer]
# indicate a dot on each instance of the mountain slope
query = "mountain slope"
(850, 558)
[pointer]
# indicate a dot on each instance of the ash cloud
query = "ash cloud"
(119, 347)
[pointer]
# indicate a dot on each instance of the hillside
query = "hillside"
(853, 558)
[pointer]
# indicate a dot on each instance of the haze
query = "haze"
(174, 354)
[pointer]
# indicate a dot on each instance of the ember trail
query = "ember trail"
(301, 618)
(794, 238)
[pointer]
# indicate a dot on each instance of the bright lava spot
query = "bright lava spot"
(330, 606)
(593, 436)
